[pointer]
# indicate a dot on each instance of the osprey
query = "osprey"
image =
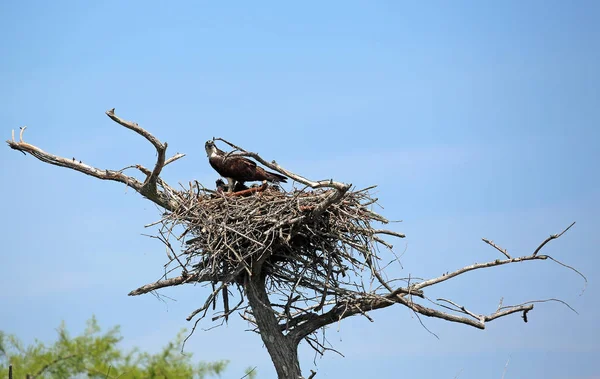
(238, 170)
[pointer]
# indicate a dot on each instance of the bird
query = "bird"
(238, 170)
(222, 187)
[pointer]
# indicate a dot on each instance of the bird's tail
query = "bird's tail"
(275, 178)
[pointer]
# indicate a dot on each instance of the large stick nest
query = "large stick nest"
(287, 236)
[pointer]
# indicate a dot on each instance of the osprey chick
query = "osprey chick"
(238, 170)
(222, 187)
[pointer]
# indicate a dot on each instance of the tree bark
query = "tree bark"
(283, 351)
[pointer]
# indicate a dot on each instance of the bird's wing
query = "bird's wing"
(247, 162)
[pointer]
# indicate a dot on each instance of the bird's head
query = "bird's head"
(210, 148)
(221, 186)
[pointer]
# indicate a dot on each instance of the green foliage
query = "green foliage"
(96, 355)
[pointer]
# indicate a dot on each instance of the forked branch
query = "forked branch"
(148, 188)
(150, 182)
(369, 301)
(498, 262)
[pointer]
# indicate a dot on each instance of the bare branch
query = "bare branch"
(369, 303)
(505, 368)
(150, 183)
(136, 128)
(176, 281)
(554, 236)
(508, 311)
(572, 269)
(492, 244)
(462, 309)
(372, 302)
(389, 232)
(174, 158)
(543, 301)
(147, 189)
(75, 165)
(472, 267)
(21, 133)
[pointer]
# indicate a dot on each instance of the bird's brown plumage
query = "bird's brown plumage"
(238, 169)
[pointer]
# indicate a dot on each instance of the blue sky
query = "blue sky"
(475, 119)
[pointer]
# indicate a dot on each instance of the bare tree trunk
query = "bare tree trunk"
(283, 351)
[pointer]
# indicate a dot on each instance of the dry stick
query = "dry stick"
(207, 303)
(472, 267)
(508, 311)
(320, 346)
(573, 269)
(196, 277)
(174, 158)
(389, 232)
(491, 243)
(148, 172)
(243, 235)
(542, 301)
(462, 309)
(226, 314)
(500, 304)
(505, 367)
(176, 257)
(553, 236)
(21, 133)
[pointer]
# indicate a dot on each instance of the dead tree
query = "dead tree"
(290, 263)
